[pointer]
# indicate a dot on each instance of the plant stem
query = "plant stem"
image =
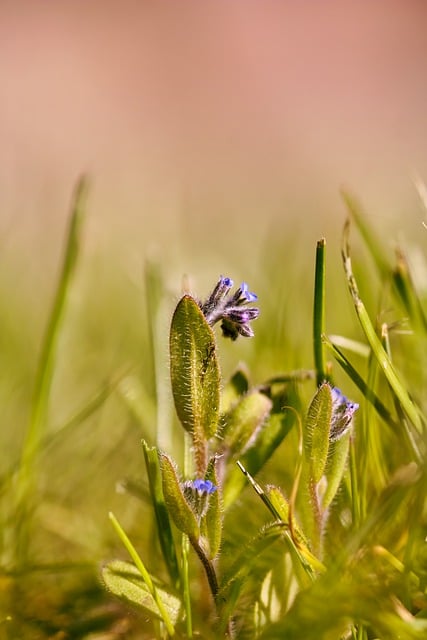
(319, 313)
(209, 569)
(186, 587)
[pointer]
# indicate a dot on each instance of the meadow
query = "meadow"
(173, 465)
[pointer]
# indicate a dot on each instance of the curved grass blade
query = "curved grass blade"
(401, 277)
(164, 611)
(362, 386)
(408, 406)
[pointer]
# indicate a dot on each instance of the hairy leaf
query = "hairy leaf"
(178, 507)
(124, 580)
(194, 370)
(318, 426)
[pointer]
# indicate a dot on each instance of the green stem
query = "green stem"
(186, 587)
(355, 494)
(209, 570)
(319, 313)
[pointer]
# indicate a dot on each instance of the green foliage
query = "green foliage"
(268, 509)
(212, 520)
(125, 581)
(164, 529)
(194, 370)
(318, 425)
(176, 503)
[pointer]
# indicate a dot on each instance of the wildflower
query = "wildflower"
(197, 494)
(230, 309)
(203, 486)
(343, 411)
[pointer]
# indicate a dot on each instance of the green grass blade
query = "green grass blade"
(45, 370)
(401, 277)
(360, 383)
(125, 581)
(319, 313)
(384, 362)
(164, 613)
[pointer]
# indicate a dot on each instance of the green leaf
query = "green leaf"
(337, 461)
(298, 541)
(194, 370)
(164, 530)
(212, 521)
(281, 506)
(244, 420)
(177, 506)
(318, 425)
(124, 580)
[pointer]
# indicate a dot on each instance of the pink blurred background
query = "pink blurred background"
(217, 119)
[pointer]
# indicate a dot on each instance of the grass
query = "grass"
(311, 518)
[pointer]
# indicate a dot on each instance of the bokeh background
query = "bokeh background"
(217, 136)
(214, 120)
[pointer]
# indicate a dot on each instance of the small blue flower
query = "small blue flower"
(203, 486)
(249, 296)
(229, 308)
(197, 493)
(343, 411)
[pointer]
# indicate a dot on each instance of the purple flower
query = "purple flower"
(221, 305)
(343, 411)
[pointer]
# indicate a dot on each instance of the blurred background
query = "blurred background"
(217, 136)
(220, 121)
